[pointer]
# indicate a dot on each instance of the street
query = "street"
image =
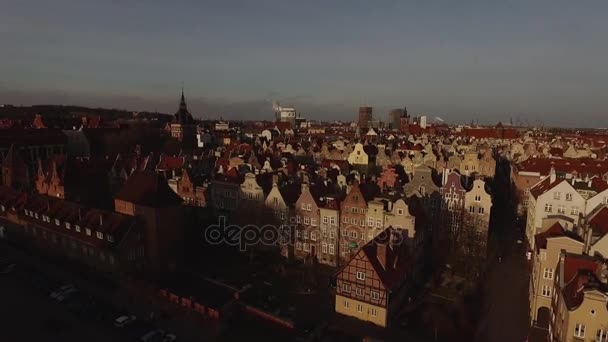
(504, 313)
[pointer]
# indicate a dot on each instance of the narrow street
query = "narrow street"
(504, 312)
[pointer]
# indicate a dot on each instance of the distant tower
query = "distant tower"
(14, 170)
(365, 116)
(182, 126)
(404, 121)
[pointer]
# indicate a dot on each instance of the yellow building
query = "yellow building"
(371, 286)
(579, 306)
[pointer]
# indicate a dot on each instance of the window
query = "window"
(303, 206)
(370, 221)
(422, 190)
(77, 228)
(325, 219)
(375, 295)
(477, 198)
(557, 195)
(359, 291)
(332, 220)
(471, 209)
(346, 304)
(313, 236)
(359, 308)
(298, 245)
(57, 222)
(313, 221)
(309, 207)
(546, 291)
(331, 248)
(324, 248)
(306, 220)
(346, 287)
(332, 234)
(399, 211)
(306, 247)
(110, 238)
(548, 273)
(305, 234)
(353, 234)
(374, 312)
(481, 210)
(568, 197)
(548, 207)
(360, 275)
(379, 223)
(100, 235)
(579, 330)
(87, 231)
(561, 210)
(601, 335)
(574, 211)
(298, 233)
(67, 225)
(345, 219)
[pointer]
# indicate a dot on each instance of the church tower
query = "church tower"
(183, 127)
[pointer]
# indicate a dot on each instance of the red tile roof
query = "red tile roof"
(599, 221)
(544, 186)
(148, 189)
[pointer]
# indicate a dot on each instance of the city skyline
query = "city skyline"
(539, 62)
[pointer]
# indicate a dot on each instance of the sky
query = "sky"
(532, 61)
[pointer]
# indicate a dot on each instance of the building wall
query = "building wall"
(548, 259)
(329, 236)
(365, 314)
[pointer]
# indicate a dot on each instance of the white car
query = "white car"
(124, 320)
(61, 290)
(170, 338)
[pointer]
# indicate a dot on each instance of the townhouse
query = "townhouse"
(373, 284)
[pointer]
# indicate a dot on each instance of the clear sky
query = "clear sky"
(461, 60)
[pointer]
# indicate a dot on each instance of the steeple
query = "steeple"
(182, 102)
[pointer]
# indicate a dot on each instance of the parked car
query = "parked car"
(7, 268)
(155, 335)
(66, 294)
(61, 290)
(124, 320)
(170, 338)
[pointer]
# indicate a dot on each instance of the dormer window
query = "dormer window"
(100, 235)
(36, 215)
(87, 231)
(67, 225)
(110, 238)
(2, 208)
(77, 228)
(57, 222)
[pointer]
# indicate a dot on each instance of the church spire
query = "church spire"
(182, 102)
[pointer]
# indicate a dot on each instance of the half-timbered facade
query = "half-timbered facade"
(372, 284)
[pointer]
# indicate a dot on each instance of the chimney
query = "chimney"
(100, 219)
(552, 175)
(79, 214)
(381, 252)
